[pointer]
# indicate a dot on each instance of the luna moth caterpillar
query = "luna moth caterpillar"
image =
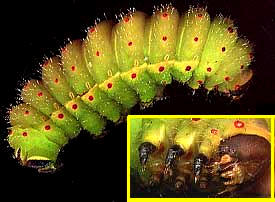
(214, 156)
(103, 76)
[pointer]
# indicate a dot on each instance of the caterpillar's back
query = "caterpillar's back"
(103, 76)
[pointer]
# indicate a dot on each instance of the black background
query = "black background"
(97, 168)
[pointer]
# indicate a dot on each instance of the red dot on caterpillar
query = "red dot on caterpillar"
(188, 68)
(238, 124)
(133, 75)
(223, 49)
(130, 43)
(10, 132)
(73, 68)
(97, 53)
(161, 68)
(209, 69)
(91, 98)
(227, 78)
(47, 127)
(92, 29)
(200, 82)
(64, 50)
(196, 39)
(242, 66)
(164, 38)
(237, 87)
(56, 80)
(25, 134)
(45, 63)
(109, 85)
(126, 19)
(74, 106)
(40, 94)
(165, 15)
(214, 131)
(195, 119)
(200, 15)
(250, 56)
(26, 112)
(230, 29)
(60, 116)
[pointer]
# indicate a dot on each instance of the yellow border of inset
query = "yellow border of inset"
(129, 199)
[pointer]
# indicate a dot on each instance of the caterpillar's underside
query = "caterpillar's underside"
(169, 153)
(101, 77)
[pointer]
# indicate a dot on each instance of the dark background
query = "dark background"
(97, 168)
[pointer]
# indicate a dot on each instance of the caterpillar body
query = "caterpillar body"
(215, 157)
(103, 76)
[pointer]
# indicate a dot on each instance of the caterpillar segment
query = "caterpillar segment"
(74, 67)
(104, 75)
(200, 153)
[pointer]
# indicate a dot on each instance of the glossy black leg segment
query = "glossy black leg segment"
(173, 153)
(145, 149)
(198, 164)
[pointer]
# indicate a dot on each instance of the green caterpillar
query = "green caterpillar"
(103, 76)
(185, 153)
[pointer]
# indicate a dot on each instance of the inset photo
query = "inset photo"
(199, 157)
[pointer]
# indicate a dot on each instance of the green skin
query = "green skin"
(122, 65)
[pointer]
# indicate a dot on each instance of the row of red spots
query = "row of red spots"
(47, 127)
(133, 75)
(188, 68)
(209, 69)
(161, 68)
(164, 38)
(238, 124)
(196, 39)
(223, 49)
(214, 131)
(25, 134)
(130, 43)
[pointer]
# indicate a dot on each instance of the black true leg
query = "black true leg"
(145, 149)
(174, 152)
(199, 162)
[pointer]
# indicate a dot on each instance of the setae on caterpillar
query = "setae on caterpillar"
(115, 67)
(193, 157)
